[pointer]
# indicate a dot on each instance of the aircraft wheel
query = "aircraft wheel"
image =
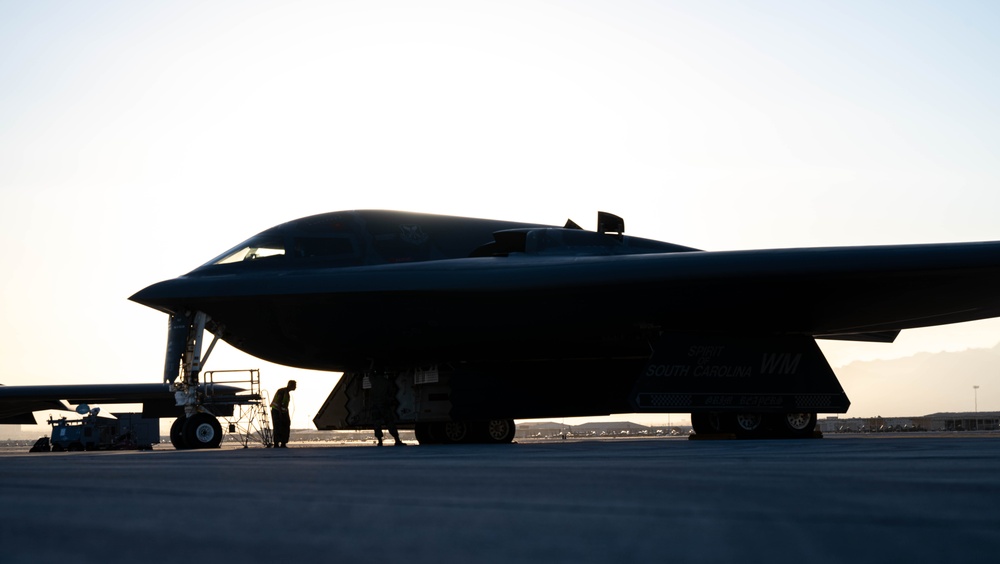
(749, 424)
(177, 433)
(202, 431)
(428, 433)
(711, 423)
(500, 431)
(436, 433)
(456, 431)
(420, 433)
(797, 424)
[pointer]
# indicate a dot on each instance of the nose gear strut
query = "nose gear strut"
(199, 426)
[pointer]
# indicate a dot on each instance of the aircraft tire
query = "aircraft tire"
(498, 431)
(429, 433)
(749, 424)
(457, 432)
(712, 423)
(202, 431)
(436, 434)
(797, 425)
(177, 433)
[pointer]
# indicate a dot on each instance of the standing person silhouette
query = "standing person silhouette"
(279, 414)
(381, 410)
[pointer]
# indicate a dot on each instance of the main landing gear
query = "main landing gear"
(494, 431)
(754, 425)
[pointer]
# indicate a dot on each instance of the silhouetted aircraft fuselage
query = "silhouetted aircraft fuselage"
(518, 320)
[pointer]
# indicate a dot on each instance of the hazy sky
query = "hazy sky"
(139, 139)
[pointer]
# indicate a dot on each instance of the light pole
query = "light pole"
(975, 399)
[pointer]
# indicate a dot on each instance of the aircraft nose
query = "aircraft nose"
(164, 296)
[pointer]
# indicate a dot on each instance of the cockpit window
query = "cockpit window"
(266, 249)
(254, 249)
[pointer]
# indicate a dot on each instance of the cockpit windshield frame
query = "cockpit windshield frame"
(302, 248)
(255, 248)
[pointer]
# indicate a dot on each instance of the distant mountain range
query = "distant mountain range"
(924, 383)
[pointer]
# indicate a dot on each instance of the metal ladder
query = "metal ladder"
(249, 422)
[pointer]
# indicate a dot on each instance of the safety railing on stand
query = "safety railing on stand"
(249, 421)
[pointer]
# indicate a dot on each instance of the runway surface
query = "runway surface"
(854, 499)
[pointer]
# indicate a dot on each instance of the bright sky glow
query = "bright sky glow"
(140, 139)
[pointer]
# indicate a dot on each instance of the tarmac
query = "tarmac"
(847, 499)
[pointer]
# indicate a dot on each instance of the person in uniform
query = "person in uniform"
(381, 409)
(280, 416)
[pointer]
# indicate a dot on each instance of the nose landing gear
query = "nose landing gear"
(203, 399)
(201, 430)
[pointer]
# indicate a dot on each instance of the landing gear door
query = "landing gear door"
(692, 372)
(344, 408)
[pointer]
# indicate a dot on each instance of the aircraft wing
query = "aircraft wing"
(858, 292)
(19, 412)
(17, 403)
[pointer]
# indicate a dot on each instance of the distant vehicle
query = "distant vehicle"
(17, 404)
(127, 431)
